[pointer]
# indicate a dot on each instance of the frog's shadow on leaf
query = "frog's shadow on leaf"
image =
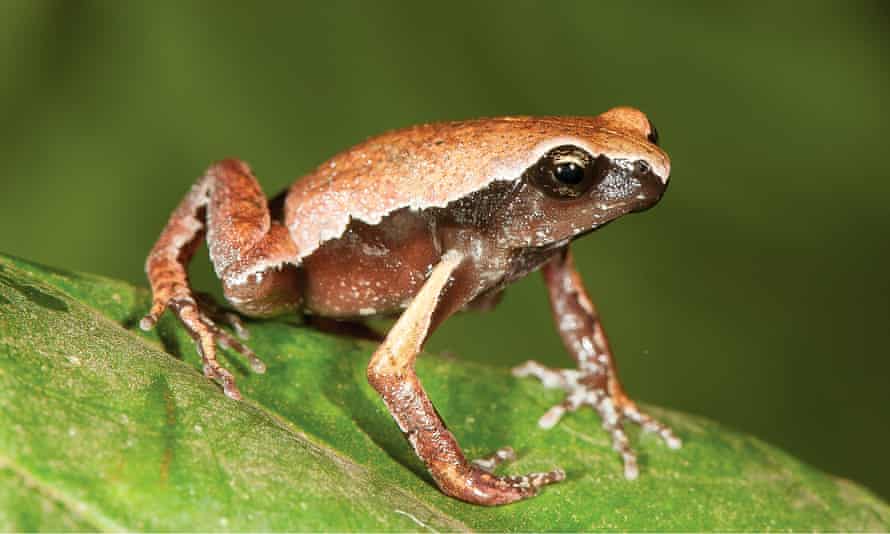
(165, 329)
(33, 294)
(343, 386)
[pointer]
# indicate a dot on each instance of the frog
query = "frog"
(418, 224)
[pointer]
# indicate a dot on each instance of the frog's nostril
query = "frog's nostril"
(653, 134)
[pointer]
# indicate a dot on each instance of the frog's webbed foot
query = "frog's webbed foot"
(591, 389)
(200, 325)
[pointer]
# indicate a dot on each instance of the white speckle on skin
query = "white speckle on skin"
(587, 346)
(374, 250)
(569, 321)
(367, 311)
(477, 249)
(254, 274)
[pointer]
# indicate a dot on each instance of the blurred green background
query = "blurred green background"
(756, 294)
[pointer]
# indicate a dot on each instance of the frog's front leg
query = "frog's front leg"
(250, 253)
(595, 382)
(391, 373)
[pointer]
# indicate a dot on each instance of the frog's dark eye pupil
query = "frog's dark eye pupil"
(565, 172)
(569, 173)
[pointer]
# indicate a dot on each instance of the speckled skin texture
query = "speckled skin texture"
(425, 222)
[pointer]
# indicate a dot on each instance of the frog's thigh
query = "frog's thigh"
(252, 254)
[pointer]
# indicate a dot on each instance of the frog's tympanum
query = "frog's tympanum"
(424, 222)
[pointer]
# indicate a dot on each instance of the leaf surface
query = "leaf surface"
(104, 427)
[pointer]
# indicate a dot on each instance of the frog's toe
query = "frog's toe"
(550, 378)
(613, 423)
(214, 371)
(490, 462)
(477, 484)
(148, 322)
(205, 343)
(227, 341)
(649, 424)
(151, 318)
(238, 325)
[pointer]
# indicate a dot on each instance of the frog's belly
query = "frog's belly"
(370, 269)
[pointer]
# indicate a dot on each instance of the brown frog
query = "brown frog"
(427, 221)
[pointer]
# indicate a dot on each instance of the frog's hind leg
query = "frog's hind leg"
(391, 373)
(250, 252)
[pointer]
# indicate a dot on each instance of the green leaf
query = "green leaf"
(103, 427)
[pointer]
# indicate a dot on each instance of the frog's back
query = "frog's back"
(424, 166)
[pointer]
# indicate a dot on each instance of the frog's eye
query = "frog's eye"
(565, 172)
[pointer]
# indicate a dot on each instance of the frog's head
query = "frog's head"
(610, 165)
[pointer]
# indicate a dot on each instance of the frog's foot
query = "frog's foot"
(207, 335)
(218, 314)
(477, 482)
(590, 389)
